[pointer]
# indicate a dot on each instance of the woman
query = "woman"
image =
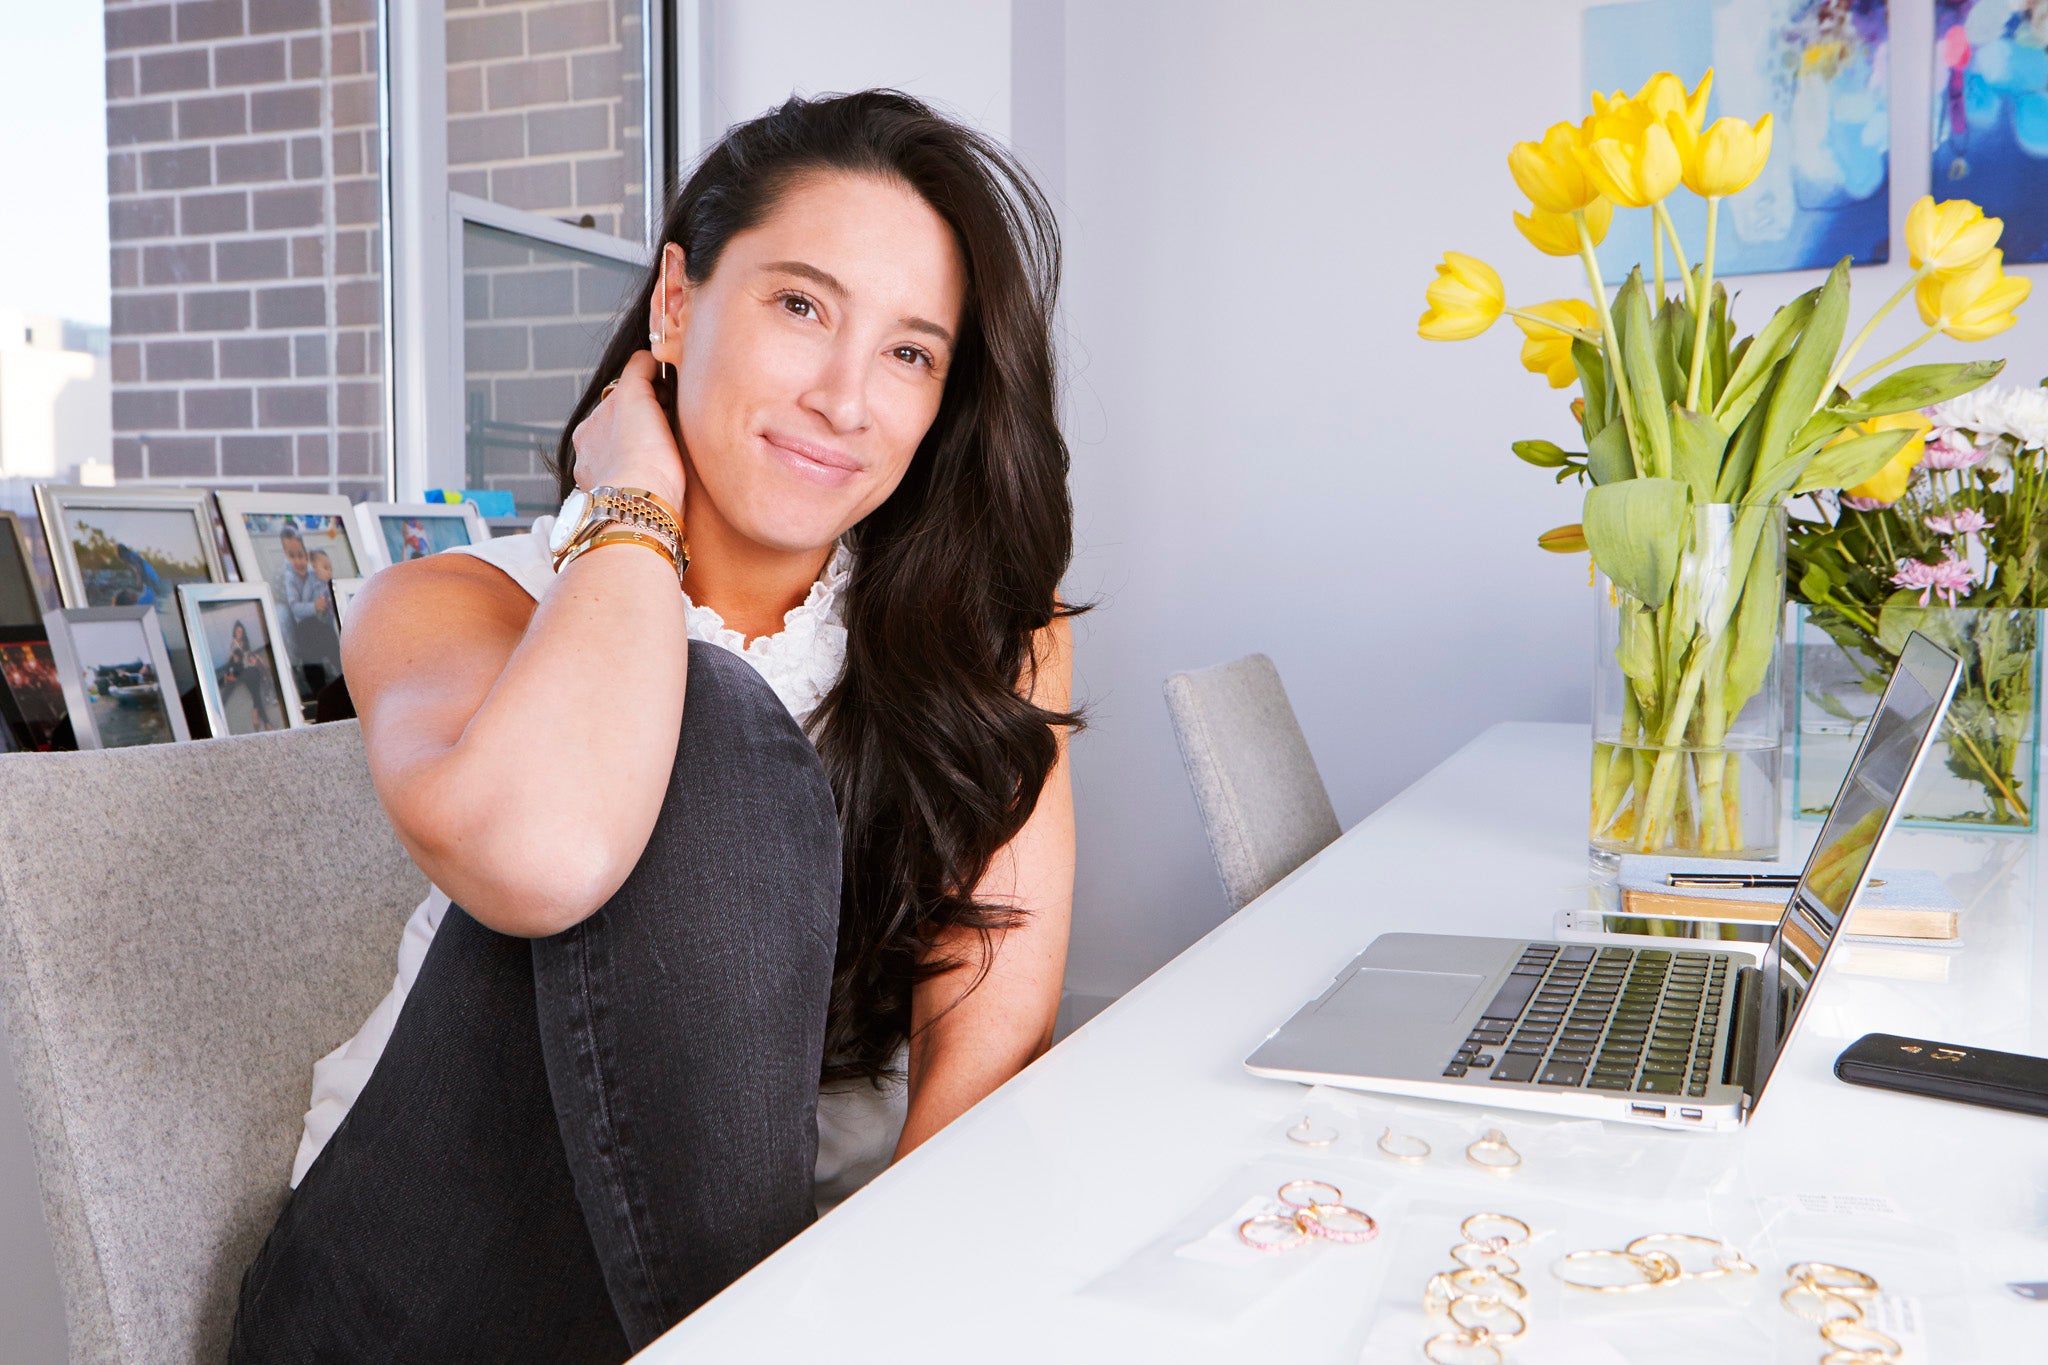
(704, 851)
(242, 667)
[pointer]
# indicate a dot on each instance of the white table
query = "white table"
(983, 1244)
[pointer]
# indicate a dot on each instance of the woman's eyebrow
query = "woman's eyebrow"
(831, 282)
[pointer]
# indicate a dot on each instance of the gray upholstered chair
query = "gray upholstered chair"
(1263, 802)
(184, 930)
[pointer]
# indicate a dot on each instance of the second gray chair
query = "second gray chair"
(1263, 803)
(184, 930)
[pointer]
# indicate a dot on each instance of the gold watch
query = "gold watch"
(611, 515)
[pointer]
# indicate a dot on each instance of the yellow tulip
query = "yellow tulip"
(1950, 237)
(1555, 234)
(1888, 485)
(1547, 351)
(1549, 171)
(1724, 159)
(1628, 158)
(1976, 303)
(1465, 299)
(1664, 94)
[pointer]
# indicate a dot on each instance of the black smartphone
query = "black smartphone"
(1946, 1071)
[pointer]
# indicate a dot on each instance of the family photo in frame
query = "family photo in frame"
(242, 683)
(114, 667)
(298, 544)
(394, 532)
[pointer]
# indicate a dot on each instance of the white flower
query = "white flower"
(1998, 410)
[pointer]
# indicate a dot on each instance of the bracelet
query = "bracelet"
(621, 535)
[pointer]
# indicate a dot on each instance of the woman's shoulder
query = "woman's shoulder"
(523, 558)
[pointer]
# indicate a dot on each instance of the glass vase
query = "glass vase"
(1688, 713)
(1983, 769)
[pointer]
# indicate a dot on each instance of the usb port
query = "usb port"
(1689, 1113)
(1655, 1111)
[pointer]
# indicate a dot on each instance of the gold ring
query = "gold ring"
(1656, 1267)
(1411, 1156)
(1841, 1281)
(1317, 1220)
(1826, 1296)
(1863, 1338)
(1486, 1309)
(606, 391)
(1498, 1242)
(1249, 1231)
(1304, 1133)
(1336, 1196)
(1727, 1260)
(1439, 1293)
(1493, 1140)
(1857, 1358)
(1463, 1339)
(1465, 1284)
(1490, 1258)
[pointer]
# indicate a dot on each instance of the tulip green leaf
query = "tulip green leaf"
(1631, 313)
(1697, 444)
(1636, 530)
(1607, 455)
(1919, 386)
(1592, 367)
(1673, 338)
(1742, 449)
(1758, 355)
(1542, 454)
(1848, 463)
(1799, 388)
(1756, 624)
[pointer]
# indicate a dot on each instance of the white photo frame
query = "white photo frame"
(388, 540)
(114, 547)
(105, 659)
(345, 590)
(259, 528)
(246, 687)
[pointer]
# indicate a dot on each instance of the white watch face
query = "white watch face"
(574, 508)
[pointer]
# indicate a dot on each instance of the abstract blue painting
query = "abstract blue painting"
(1819, 68)
(1991, 115)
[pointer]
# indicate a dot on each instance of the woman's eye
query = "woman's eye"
(914, 356)
(794, 302)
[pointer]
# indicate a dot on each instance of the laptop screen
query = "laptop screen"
(1883, 768)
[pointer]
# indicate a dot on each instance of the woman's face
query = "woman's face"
(811, 362)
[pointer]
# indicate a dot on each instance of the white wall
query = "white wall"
(1266, 456)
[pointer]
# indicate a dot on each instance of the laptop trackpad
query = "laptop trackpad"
(1415, 997)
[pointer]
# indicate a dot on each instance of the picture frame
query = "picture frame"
(345, 590)
(21, 599)
(113, 664)
(32, 705)
(113, 547)
(394, 532)
(260, 529)
(243, 684)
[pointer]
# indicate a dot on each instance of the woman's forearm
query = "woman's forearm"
(534, 812)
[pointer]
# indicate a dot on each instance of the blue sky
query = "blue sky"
(53, 149)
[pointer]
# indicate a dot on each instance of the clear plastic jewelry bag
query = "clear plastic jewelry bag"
(1199, 1270)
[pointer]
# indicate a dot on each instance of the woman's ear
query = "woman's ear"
(669, 310)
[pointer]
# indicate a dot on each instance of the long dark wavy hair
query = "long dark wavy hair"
(936, 755)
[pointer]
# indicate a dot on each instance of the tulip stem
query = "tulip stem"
(1615, 373)
(1699, 335)
(1677, 252)
(1657, 255)
(1554, 326)
(1827, 390)
(1896, 356)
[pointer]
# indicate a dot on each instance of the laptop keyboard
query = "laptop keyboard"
(1640, 1020)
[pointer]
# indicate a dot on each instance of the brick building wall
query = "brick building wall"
(242, 205)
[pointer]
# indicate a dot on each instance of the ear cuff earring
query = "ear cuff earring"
(660, 332)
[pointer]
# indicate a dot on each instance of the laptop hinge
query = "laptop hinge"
(1739, 1067)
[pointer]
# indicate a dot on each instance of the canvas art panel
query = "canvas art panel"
(298, 545)
(395, 532)
(118, 549)
(1819, 68)
(113, 667)
(1990, 112)
(31, 692)
(246, 686)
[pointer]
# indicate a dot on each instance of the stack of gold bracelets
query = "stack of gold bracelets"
(1480, 1296)
(1833, 1296)
(1648, 1263)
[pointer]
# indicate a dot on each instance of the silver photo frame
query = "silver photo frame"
(260, 528)
(345, 590)
(114, 547)
(114, 668)
(21, 600)
(245, 685)
(397, 531)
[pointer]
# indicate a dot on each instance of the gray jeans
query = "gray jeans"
(570, 1143)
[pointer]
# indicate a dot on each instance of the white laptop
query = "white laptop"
(1680, 1036)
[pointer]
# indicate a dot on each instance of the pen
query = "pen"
(1739, 879)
